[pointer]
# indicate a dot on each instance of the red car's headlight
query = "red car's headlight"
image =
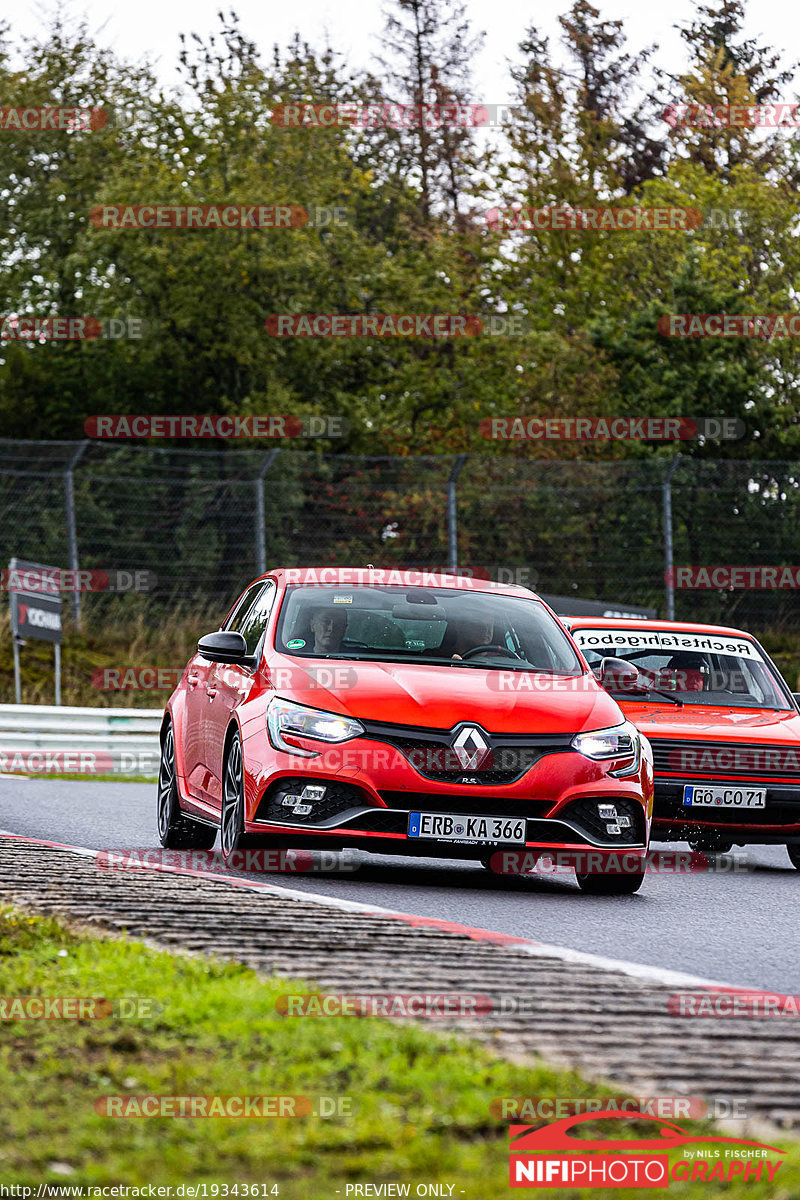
(621, 742)
(287, 720)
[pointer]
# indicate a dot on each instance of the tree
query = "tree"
(726, 70)
(427, 52)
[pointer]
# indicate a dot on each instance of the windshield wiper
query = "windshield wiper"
(654, 692)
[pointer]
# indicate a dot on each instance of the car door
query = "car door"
(195, 739)
(229, 684)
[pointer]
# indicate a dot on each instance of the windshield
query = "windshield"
(424, 625)
(699, 668)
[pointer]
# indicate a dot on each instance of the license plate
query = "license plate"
(453, 827)
(724, 797)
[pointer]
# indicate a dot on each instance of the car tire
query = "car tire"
(176, 830)
(232, 836)
(793, 850)
(595, 884)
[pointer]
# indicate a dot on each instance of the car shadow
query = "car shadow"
(436, 873)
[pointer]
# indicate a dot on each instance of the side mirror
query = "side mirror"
(618, 675)
(225, 647)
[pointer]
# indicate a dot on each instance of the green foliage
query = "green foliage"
(414, 238)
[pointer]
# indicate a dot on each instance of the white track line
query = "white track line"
(537, 949)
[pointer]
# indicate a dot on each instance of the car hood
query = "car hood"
(441, 697)
(717, 723)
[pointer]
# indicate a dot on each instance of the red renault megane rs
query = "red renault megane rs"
(403, 713)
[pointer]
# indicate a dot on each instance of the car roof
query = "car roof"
(392, 577)
(585, 622)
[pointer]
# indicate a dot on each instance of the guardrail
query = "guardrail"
(43, 739)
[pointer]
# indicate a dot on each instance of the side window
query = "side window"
(237, 617)
(256, 619)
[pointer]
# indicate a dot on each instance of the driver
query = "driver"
(328, 626)
(687, 671)
(471, 633)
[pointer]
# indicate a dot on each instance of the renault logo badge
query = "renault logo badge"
(470, 747)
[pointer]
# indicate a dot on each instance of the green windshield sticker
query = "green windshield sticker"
(295, 644)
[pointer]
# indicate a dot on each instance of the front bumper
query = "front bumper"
(370, 790)
(776, 823)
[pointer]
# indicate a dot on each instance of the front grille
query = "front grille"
(431, 752)
(584, 813)
(745, 759)
(490, 806)
(338, 798)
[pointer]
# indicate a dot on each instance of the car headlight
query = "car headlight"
(620, 742)
(287, 720)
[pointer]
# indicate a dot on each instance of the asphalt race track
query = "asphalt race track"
(731, 926)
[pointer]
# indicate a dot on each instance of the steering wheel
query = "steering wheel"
(495, 650)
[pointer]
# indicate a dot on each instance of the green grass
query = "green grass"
(420, 1101)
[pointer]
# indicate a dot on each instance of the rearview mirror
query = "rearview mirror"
(619, 675)
(410, 612)
(226, 647)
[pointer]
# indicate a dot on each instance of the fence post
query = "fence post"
(261, 534)
(72, 534)
(452, 533)
(668, 564)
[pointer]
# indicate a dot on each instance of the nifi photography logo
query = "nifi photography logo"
(556, 1156)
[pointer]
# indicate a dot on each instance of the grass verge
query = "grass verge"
(420, 1102)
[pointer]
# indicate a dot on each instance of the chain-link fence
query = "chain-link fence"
(204, 522)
